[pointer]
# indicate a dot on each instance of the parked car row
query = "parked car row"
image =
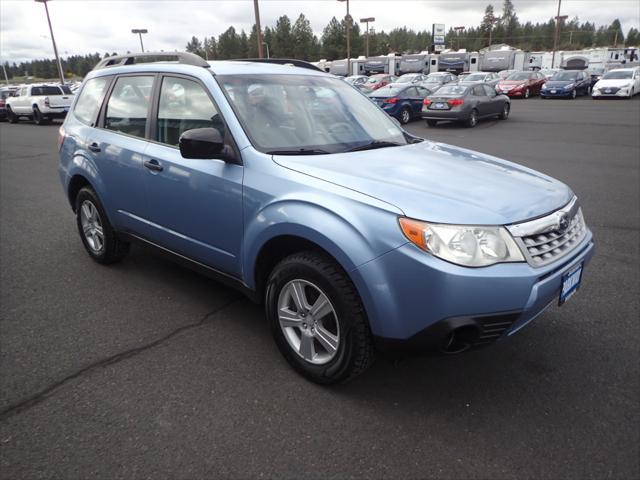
(40, 102)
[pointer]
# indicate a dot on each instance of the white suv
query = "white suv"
(41, 102)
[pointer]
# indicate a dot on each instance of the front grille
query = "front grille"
(547, 239)
(609, 90)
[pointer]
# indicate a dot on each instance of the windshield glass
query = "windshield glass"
(306, 112)
(563, 76)
(519, 76)
(475, 77)
(374, 79)
(408, 78)
(451, 90)
(618, 75)
(434, 78)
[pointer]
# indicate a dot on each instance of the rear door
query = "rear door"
(117, 147)
(482, 101)
(195, 206)
(422, 94)
(495, 101)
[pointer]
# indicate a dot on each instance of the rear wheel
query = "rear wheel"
(432, 123)
(505, 112)
(317, 318)
(405, 116)
(472, 121)
(38, 117)
(98, 236)
(11, 117)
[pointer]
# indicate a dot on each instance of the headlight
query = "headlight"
(466, 245)
(568, 87)
(544, 87)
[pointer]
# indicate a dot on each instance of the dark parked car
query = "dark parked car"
(379, 80)
(465, 103)
(401, 100)
(437, 79)
(521, 84)
(567, 84)
(488, 78)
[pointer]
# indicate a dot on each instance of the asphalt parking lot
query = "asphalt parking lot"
(147, 370)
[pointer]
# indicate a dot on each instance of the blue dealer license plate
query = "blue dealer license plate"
(570, 283)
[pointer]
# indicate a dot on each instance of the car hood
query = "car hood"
(440, 183)
(614, 82)
(558, 83)
(513, 82)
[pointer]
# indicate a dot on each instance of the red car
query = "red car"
(379, 80)
(521, 84)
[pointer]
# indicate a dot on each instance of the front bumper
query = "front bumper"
(511, 93)
(620, 93)
(560, 93)
(415, 301)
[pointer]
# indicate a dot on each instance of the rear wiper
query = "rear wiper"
(298, 151)
(373, 145)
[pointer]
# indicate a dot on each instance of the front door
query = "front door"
(194, 206)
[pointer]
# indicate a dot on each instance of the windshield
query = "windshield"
(451, 90)
(564, 76)
(434, 78)
(306, 112)
(406, 78)
(618, 75)
(476, 77)
(374, 79)
(519, 76)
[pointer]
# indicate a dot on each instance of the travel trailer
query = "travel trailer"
(415, 63)
(504, 59)
(383, 64)
(458, 62)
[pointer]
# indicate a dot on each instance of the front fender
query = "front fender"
(350, 244)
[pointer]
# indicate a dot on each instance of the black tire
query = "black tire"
(11, 117)
(355, 352)
(38, 117)
(472, 121)
(113, 249)
(405, 116)
(432, 123)
(506, 108)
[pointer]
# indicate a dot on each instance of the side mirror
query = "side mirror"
(202, 143)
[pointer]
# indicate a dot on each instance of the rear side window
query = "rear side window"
(90, 100)
(128, 105)
(45, 90)
(478, 91)
(66, 90)
(184, 105)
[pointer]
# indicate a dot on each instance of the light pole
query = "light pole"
(557, 33)
(266, 45)
(367, 21)
(256, 11)
(53, 40)
(458, 30)
(6, 78)
(348, 20)
(139, 32)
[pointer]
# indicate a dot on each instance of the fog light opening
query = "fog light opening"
(461, 339)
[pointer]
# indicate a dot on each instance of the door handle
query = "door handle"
(153, 165)
(94, 147)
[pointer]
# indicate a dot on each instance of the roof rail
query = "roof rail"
(282, 61)
(148, 57)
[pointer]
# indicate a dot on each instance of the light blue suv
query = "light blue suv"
(289, 184)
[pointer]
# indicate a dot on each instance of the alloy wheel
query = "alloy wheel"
(405, 116)
(308, 321)
(92, 226)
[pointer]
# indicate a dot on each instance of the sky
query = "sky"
(88, 26)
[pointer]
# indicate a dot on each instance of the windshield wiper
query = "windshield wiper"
(373, 145)
(298, 151)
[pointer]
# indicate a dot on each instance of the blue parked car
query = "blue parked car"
(401, 100)
(567, 84)
(290, 185)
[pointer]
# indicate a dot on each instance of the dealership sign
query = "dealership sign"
(437, 34)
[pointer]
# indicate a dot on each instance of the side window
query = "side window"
(410, 92)
(128, 105)
(184, 105)
(489, 91)
(478, 91)
(90, 100)
(23, 92)
(423, 92)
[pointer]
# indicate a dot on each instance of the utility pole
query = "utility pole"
(348, 21)
(256, 10)
(53, 40)
(558, 18)
(6, 78)
(140, 31)
(458, 30)
(367, 21)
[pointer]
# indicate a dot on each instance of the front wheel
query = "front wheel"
(527, 93)
(505, 111)
(432, 123)
(472, 121)
(317, 318)
(574, 94)
(98, 236)
(405, 116)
